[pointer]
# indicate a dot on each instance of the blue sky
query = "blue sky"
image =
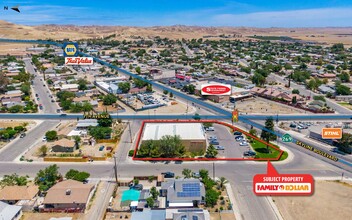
(255, 13)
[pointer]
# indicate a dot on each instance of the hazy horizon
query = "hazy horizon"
(205, 13)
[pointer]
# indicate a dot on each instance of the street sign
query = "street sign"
(286, 138)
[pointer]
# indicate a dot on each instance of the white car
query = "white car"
(44, 138)
(244, 143)
(212, 138)
(210, 129)
(219, 147)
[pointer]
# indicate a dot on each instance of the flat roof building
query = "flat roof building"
(192, 134)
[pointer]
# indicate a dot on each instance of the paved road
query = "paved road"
(204, 115)
(20, 145)
(40, 87)
(304, 91)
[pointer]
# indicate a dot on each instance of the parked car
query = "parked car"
(23, 135)
(249, 153)
(237, 133)
(212, 138)
(168, 174)
(214, 142)
(210, 129)
(101, 148)
(219, 147)
(239, 138)
(196, 174)
(244, 143)
(44, 138)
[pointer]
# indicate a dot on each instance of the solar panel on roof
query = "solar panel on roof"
(189, 190)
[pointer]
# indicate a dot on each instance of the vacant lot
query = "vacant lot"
(46, 216)
(331, 200)
(260, 105)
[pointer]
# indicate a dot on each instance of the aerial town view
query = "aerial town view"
(175, 110)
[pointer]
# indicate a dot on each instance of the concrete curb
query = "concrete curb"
(235, 208)
(274, 207)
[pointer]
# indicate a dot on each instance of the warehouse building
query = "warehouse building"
(192, 134)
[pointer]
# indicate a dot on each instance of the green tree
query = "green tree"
(51, 135)
(294, 100)
(26, 88)
(139, 83)
(171, 146)
(43, 150)
(82, 84)
(87, 107)
(187, 173)
(77, 175)
(344, 77)
(109, 99)
(150, 202)
(211, 197)
(266, 135)
(211, 152)
(124, 87)
(165, 92)
(253, 132)
(4, 81)
(258, 79)
(154, 192)
(345, 143)
(171, 95)
(204, 174)
(138, 70)
(343, 90)
(105, 122)
(295, 91)
(222, 181)
(100, 132)
(14, 180)
(46, 178)
(77, 140)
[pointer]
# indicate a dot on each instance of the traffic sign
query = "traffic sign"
(286, 138)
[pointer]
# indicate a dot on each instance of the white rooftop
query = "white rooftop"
(187, 131)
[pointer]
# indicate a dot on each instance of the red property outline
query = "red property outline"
(201, 159)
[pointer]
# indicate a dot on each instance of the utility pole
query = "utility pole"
(115, 169)
(129, 128)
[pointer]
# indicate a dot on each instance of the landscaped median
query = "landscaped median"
(264, 152)
(274, 153)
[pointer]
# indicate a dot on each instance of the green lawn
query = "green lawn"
(261, 151)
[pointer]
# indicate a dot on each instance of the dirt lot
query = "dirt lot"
(46, 216)
(11, 123)
(331, 200)
(222, 216)
(259, 105)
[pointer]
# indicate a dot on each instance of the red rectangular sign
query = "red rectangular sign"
(275, 184)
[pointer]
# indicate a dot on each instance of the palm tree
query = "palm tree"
(187, 173)
(222, 181)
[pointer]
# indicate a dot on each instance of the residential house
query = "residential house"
(10, 212)
(183, 192)
(326, 89)
(149, 214)
(68, 195)
(188, 214)
(86, 123)
(26, 196)
(63, 145)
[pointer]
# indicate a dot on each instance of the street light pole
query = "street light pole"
(115, 169)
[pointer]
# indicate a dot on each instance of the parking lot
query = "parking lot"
(227, 140)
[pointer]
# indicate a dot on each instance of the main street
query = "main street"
(39, 86)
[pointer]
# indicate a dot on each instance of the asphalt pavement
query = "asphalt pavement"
(40, 87)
